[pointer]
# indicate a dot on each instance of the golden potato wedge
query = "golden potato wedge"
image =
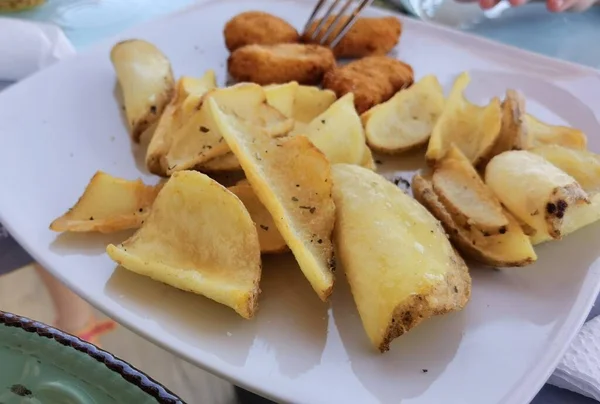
(199, 139)
(509, 249)
(183, 245)
(399, 263)
(108, 205)
(187, 97)
(146, 81)
(269, 237)
(368, 161)
(292, 179)
(584, 166)
(226, 162)
(407, 119)
(473, 129)
(513, 131)
(338, 132)
(282, 96)
(534, 190)
(462, 192)
(542, 133)
(311, 102)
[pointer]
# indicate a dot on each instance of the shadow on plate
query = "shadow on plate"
(87, 243)
(290, 318)
(427, 352)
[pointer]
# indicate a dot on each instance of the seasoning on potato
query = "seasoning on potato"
(258, 28)
(399, 263)
(373, 80)
(369, 36)
(282, 63)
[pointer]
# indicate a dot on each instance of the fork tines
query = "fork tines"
(340, 25)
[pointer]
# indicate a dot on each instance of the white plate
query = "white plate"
(60, 126)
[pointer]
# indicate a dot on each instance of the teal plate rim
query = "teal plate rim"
(114, 364)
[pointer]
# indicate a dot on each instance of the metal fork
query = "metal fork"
(336, 23)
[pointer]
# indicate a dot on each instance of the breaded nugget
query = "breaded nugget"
(278, 64)
(373, 80)
(367, 37)
(255, 27)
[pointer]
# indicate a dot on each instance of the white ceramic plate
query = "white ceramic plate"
(60, 126)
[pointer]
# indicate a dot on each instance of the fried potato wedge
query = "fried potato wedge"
(108, 205)
(281, 63)
(584, 166)
(292, 180)
(542, 133)
(199, 139)
(187, 97)
(513, 130)
(534, 190)
(338, 132)
(282, 97)
(226, 162)
(472, 128)
(407, 119)
(373, 80)
(181, 244)
(399, 263)
(269, 237)
(462, 192)
(256, 27)
(368, 36)
(367, 160)
(311, 102)
(146, 82)
(509, 249)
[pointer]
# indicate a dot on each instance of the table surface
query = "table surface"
(568, 36)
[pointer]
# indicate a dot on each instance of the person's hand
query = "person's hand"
(553, 5)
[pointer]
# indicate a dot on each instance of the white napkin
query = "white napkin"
(579, 370)
(27, 46)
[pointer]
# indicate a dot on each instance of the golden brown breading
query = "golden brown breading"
(255, 27)
(373, 80)
(367, 37)
(278, 64)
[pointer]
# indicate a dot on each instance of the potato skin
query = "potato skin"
(279, 64)
(256, 27)
(373, 80)
(367, 37)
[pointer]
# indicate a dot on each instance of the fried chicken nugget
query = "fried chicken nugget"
(256, 27)
(373, 80)
(367, 37)
(282, 63)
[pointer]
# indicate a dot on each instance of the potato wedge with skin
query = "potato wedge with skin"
(108, 205)
(269, 237)
(146, 81)
(472, 128)
(513, 131)
(510, 249)
(226, 162)
(338, 132)
(292, 179)
(181, 244)
(584, 166)
(282, 96)
(311, 102)
(470, 202)
(542, 133)
(199, 139)
(407, 119)
(535, 191)
(187, 97)
(399, 263)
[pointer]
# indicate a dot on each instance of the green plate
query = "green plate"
(42, 365)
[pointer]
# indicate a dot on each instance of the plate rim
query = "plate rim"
(537, 374)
